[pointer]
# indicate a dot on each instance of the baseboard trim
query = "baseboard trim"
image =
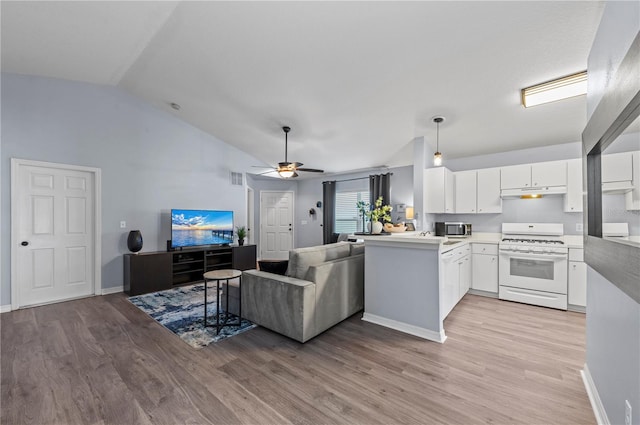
(483, 293)
(576, 308)
(113, 290)
(405, 327)
(5, 308)
(594, 397)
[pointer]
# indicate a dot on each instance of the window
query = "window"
(348, 219)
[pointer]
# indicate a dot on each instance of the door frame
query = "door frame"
(250, 215)
(97, 221)
(293, 217)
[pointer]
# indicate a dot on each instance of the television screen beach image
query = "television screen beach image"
(201, 227)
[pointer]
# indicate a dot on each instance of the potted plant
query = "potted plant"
(363, 208)
(377, 213)
(241, 231)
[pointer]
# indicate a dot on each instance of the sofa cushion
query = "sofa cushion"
(357, 248)
(302, 258)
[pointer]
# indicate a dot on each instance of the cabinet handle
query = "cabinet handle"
(535, 184)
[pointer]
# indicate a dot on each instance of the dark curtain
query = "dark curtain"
(328, 211)
(380, 185)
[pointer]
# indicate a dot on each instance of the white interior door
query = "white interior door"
(276, 225)
(53, 220)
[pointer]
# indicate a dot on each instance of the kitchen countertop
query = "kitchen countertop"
(571, 241)
(414, 237)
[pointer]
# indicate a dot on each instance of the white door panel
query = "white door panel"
(54, 222)
(276, 218)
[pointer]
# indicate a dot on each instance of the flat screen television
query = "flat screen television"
(191, 228)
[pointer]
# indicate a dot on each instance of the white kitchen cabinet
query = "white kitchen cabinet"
(465, 276)
(465, 192)
(632, 198)
(577, 295)
(456, 277)
(488, 194)
(484, 262)
(541, 174)
(549, 174)
(439, 190)
(515, 176)
(573, 197)
(617, 167)
(450, 285)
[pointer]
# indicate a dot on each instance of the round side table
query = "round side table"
(220, 276)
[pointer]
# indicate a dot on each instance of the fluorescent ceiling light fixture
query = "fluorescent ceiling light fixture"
(558, 89)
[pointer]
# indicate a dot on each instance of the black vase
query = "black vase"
(134, 241)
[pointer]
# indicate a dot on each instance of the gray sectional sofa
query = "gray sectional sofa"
(324, 285)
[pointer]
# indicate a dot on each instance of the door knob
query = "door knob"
(24, 243)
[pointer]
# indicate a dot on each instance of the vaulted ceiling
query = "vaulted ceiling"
(356, 81)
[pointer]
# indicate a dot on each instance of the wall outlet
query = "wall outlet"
(627, 413)
(123, 224)
(578, 227)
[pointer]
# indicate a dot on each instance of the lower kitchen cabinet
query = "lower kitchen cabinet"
(485, 267)
(456, 277)
(577, 275)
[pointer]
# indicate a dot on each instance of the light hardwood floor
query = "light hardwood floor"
(102, 361)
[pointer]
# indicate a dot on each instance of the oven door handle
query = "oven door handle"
(529, 256)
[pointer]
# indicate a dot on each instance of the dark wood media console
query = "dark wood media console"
(157, 271)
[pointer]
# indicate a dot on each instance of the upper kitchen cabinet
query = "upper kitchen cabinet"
(439, 190)
(488, 195)
(573, 197)
(465, 192)
(617, 172)
(515, 176)
(534, 175)
(632, 198)
(478, 191)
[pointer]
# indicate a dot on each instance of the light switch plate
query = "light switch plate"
(578, 227)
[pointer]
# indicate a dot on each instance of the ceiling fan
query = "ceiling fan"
(288, 169)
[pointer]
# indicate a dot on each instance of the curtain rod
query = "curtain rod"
(357, 178)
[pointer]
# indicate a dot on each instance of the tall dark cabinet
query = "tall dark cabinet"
(157, 271)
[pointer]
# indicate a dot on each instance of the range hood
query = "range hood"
(617, 188)
(529, 191)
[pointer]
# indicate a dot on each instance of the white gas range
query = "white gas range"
(533, 264)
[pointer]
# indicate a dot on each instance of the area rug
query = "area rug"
(181, 310)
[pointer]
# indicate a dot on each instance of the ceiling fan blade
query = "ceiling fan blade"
(261, 166)
(310, 170)
(266, 172)
(297, 164)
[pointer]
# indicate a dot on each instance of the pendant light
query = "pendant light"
(437, 157)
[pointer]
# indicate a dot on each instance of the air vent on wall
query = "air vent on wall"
(236, 179)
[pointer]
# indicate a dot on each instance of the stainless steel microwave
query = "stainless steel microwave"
(456, 230)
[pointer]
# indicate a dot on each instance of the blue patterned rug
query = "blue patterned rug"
(181, 310)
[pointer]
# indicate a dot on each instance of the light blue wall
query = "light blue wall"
(151, 161)
(613, 319)
(613, 346)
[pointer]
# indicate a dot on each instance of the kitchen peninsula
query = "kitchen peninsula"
(405, 286)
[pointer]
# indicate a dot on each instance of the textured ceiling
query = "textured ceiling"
(356, 81)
